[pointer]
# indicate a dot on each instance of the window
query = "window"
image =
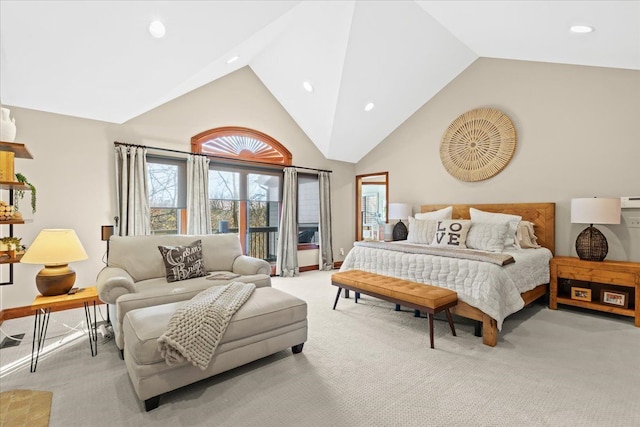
(167, 179)
(308, 209)
(246, 189)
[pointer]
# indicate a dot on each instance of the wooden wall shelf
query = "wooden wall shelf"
(14, 185)
(6, 260)
(15, 221)
(19, 150)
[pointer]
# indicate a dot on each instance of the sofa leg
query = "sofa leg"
(152, 403)
(297, 348)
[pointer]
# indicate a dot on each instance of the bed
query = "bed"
(487, 292)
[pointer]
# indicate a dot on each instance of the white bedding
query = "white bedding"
(491, 288)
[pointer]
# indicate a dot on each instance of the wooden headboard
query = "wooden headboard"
(542, 215)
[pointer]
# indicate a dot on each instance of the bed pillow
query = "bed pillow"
(421, 231)
(489, 217)
(451, 233)
(183, 262)
(444, 213)
(487, 236)
(526, 236)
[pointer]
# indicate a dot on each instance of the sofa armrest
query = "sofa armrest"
(246, 265)
(113, 282)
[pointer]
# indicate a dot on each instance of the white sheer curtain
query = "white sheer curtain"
(325, 260)
(132, 191)
(287, 257)
(198, 208)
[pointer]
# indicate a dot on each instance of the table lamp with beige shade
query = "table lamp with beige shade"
(591, 245)
(55, 248)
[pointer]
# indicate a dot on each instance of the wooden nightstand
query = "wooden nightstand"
(619, 278)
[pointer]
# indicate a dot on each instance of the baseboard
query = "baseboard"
(336, 265)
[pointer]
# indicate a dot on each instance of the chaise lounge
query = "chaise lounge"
(268, 322)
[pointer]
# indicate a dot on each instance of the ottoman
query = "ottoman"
(268, 322)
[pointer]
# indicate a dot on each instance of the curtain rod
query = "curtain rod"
(116, 143)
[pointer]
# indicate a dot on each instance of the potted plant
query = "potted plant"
(10, 245)
(19, 194)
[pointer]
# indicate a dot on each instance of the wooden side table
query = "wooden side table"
(42, 307)
(589, 279)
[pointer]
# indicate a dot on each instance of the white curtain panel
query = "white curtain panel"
(324, 227)
(287, 257)
(198, 207)
(132, 191)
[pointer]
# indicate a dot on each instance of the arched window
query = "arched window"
(245, 185)
(240, 143)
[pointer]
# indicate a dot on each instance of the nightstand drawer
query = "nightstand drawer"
(598, 276)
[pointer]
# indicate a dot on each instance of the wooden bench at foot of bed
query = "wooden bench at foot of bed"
(427, 298)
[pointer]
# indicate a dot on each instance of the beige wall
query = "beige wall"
(577, 137)
(73, 165)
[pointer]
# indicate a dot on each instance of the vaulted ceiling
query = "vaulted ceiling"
(97, 60)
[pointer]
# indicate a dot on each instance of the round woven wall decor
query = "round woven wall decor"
(478, 144)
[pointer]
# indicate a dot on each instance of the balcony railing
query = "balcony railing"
(262, 242)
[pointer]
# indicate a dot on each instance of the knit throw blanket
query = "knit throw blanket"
(196, 328)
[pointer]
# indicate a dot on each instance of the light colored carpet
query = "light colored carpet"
(367, 365)
(25, 408)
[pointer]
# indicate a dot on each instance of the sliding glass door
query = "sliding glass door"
(246, 201)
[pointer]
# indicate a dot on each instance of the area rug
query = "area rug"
(25, 408)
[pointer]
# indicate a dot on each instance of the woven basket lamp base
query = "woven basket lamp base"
(591, 245)
(400, 231)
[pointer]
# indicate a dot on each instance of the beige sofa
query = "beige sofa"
(135, 274)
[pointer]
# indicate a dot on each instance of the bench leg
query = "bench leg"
(346, 293)
(416, 313)
(430, 316)
(397, 307)
(337, 297)
(357, 296)
(453, 329)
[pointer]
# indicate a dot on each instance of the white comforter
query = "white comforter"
(491, 288)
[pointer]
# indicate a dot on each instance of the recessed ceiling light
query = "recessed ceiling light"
(232, 59)
(369, 106)
(157, 30)
(307, 86)
(581, 29)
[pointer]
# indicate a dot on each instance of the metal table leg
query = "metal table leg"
(92, 328)
(40, 324)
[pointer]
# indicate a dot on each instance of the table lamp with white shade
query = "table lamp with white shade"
(400, 211)
(55, 248)
(591, 245)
